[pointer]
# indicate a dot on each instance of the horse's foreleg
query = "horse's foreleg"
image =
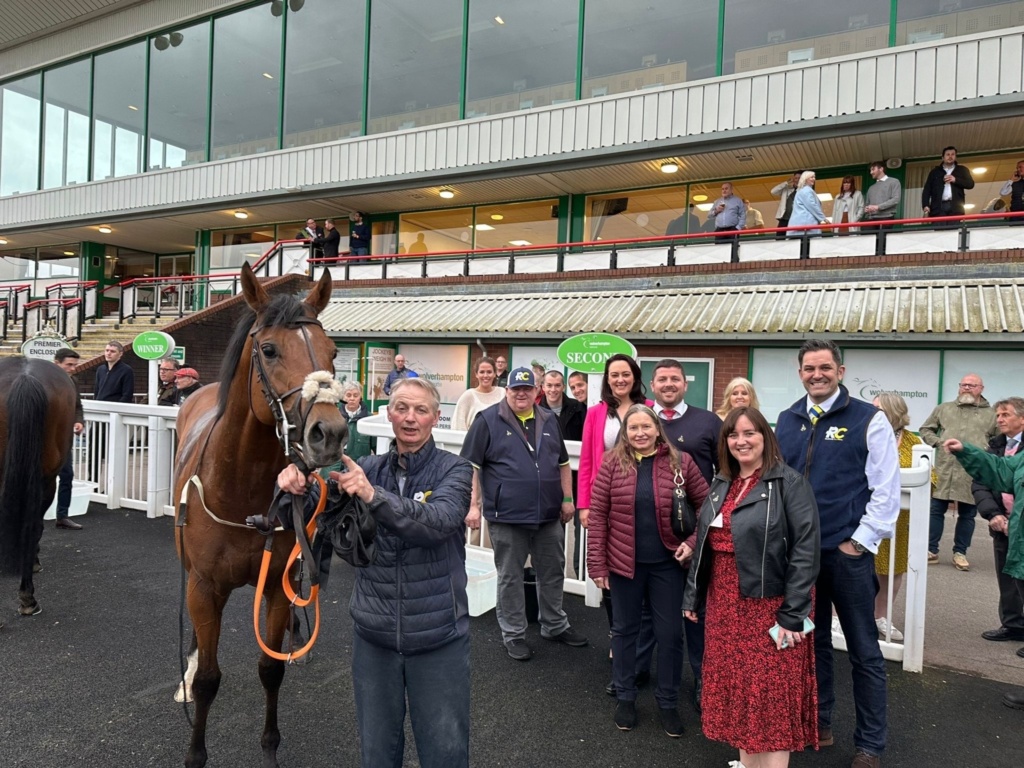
(205, 606)
(279, 616)
(184, 692)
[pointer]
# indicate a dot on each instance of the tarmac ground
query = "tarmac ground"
(89, 681)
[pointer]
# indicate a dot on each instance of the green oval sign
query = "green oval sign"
(153, 345)
(588, 352)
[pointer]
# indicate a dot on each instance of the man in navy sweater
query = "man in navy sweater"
(847, 451)
(115, 381)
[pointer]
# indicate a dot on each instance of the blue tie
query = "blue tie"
(816, 413)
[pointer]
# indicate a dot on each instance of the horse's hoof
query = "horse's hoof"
(30, 610)
(37, 567)
(183, 694)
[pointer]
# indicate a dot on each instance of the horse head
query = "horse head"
(291, 372)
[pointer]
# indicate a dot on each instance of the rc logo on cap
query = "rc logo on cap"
(521, 377)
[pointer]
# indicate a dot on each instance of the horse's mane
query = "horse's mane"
(282, 310)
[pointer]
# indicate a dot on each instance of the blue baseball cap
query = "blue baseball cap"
(521, 377)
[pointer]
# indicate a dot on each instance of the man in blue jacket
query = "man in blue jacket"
(523, 485)
(410, 607)
(847, 451)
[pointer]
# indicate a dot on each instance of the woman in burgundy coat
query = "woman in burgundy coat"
(632, 550)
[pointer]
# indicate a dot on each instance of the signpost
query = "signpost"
(153, 346)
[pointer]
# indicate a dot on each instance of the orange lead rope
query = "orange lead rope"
(314, 591)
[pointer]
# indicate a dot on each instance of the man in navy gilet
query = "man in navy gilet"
(847, 451)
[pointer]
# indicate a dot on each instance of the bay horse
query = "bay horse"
(234, 437)
(37, 418)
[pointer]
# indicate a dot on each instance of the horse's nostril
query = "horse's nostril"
(316, 435)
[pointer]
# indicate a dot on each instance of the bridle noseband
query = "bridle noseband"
(319, 386)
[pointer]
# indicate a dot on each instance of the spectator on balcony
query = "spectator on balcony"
(479, 398)
(883, 196)
(806, 207)
(168, 392)
(420, 246)
(187, 382)
(945, 188)
(328, 241)
(398, 372)
(729, 214)
(738, 393)
(115, 381)
(786, 192)
(1015, 189)
(359, 236)
(848, 206)
(312, 233)
(578, 386)
(685, 224)
(68, 360)
(754, 218)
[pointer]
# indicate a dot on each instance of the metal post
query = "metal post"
(916, 483)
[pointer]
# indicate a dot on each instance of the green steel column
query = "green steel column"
(280, 89)
(893, 15)
(720, 49)
(577, 215)
(564, 215)
(366, 70)
(209, 96)
(579, 49)
(465, 59)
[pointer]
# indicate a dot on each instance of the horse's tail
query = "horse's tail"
(21, 494)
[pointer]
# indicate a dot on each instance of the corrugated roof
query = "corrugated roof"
(839, 309)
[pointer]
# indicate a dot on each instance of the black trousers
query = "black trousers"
(1011, 590)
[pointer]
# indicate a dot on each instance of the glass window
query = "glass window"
(59, 262)
(498, 226)
(415, 63)
(19, 135)
(66, 124)
(246, 87)
(179, 75)
(230, 248)
(514, 62)
(629, 47)
(922, 21)
(759, 35)
(990, 173)
(18, 266)
(627, 215)
(432, 231)
(119, 103)
(323, 95)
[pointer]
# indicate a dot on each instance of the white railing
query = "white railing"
(128, 452)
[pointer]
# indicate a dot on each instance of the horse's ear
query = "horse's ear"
(255, 294)
(320, 296)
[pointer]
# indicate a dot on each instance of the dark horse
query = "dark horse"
(274, 396)
(37, 418)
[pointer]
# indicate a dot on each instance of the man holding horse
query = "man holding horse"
(68, 360)
(410, 607)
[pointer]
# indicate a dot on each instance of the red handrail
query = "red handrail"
(46, 302)
(261, 259)
(86, 283)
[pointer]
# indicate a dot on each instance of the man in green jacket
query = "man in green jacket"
(969, 419)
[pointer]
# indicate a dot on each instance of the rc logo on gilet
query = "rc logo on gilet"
(836, 433)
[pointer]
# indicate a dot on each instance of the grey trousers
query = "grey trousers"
(546, 547)
(1011, 590)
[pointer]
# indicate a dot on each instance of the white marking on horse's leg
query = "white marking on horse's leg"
(184, 692)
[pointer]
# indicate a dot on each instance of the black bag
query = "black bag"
(684, 518)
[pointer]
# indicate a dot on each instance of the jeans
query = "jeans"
(849, 583)
(659, 585)
(1011, 590)
(437, 686)
(693, 634)
(963, 532)
(66, 476)
(359, 251)
(546, 547)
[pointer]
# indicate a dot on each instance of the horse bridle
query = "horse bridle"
(319, 386)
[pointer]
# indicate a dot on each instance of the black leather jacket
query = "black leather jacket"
(776, 536)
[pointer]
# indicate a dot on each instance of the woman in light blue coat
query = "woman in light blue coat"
(806, 207)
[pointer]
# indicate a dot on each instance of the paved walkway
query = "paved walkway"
(89, 682)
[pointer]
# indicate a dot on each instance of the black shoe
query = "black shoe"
(625, 715)
(670, 722)
(518, 650)
(610, 688)
(1020, 652)
(569, 636)
(825, 737)
(1003, 634)
(698, 691)
(643, 678)
(1014, 700)
(67, 524)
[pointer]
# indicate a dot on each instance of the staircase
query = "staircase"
(95, 334)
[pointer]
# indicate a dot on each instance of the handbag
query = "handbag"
(684, 518)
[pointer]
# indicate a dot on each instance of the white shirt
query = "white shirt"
(679, 409)
(882, 470)
(947, 191)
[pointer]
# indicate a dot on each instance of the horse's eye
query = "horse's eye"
(334, 354)
(268, 350)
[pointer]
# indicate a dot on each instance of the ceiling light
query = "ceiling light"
(446, 193)
(499, 20)
(133, 108)
(496, 217)
(268, 76)
(979, 171)
(704, 207)
(483, 227)
(669, 167)
(105, 229)
(699, 198)
(241, 215)
(160, 43)
(969, 207)
(824, 196)
(520, 242)
(277, 7)
(296, 5)
(3, 241)
(69, 253)
(176, 39)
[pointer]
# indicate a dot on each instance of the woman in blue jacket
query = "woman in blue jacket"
(806, 207)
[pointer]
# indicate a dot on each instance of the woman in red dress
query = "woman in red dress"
(755, 566)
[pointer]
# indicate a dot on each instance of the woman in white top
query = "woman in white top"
(848, 207)
(483, 396)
